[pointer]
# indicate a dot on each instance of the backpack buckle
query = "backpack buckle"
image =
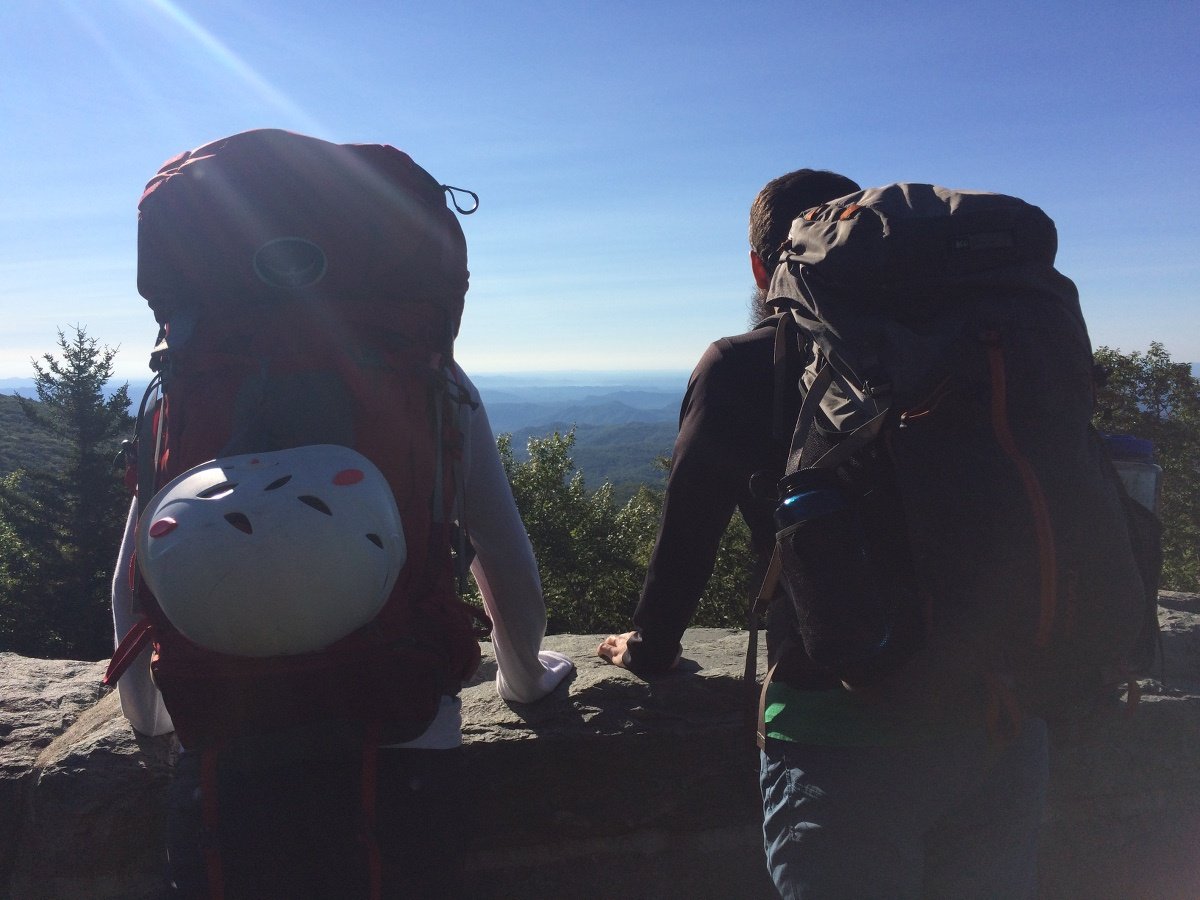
(876, 389)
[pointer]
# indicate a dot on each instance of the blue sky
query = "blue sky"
(615, 146)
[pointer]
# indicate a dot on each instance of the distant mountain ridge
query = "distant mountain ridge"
(595, 411)
(647, 392)
(622, 421)
(622, 425)
(622, 455)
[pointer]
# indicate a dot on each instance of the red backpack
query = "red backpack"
(309, 293)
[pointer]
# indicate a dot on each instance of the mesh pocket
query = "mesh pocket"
(841, 608)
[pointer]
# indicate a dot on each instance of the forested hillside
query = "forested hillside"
(624, 456)
(21, 444)
(619, 431)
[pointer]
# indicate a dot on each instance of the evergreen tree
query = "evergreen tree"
(1148, 395)
(62, 524)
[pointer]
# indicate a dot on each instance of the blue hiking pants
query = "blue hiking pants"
(952, 818)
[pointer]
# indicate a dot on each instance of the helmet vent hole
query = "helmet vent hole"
(217, 491)
(316, 503)
(376, 540)
(278, 483)
(239, 521)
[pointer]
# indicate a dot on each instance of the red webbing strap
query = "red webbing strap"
(211, 840)
(370, 790)
(127, 651)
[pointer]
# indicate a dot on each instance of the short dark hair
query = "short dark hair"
(784, 198)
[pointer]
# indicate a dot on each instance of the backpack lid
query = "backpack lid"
(909, 238)
(885, 279)
(270, 216)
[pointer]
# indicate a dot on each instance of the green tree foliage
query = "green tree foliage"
(724, 601)
(623, 455)
(20, 442)
(1148, 395)
(586, 546)
(593, 554)
(13, 560)
(63, 522)
(725, 598)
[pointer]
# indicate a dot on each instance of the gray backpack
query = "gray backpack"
(944, 480)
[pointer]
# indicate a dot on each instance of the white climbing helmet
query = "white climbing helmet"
(273, 554)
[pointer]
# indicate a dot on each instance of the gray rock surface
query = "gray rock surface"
(653, 783)
(1123, 820)
(650, 783)
(82, 792)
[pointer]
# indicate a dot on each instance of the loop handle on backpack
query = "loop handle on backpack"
(452, 192)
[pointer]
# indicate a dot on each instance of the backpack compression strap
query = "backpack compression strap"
(756, 697)
(146, 434)
(131, 646)
(831, 459)
(841, 452)
(785, 353)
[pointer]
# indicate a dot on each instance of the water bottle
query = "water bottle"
(1133, 458)
(843, 609)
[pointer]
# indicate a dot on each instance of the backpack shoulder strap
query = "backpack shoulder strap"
(808, 413)
(148, 441)
(790, 343)
(145, 449)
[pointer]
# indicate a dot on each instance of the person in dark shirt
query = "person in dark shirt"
(725, 437)
(894, 790)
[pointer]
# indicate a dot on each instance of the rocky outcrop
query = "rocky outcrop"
(82, 794)
(1123, 820)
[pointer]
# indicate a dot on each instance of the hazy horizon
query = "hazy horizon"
(615, 148)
